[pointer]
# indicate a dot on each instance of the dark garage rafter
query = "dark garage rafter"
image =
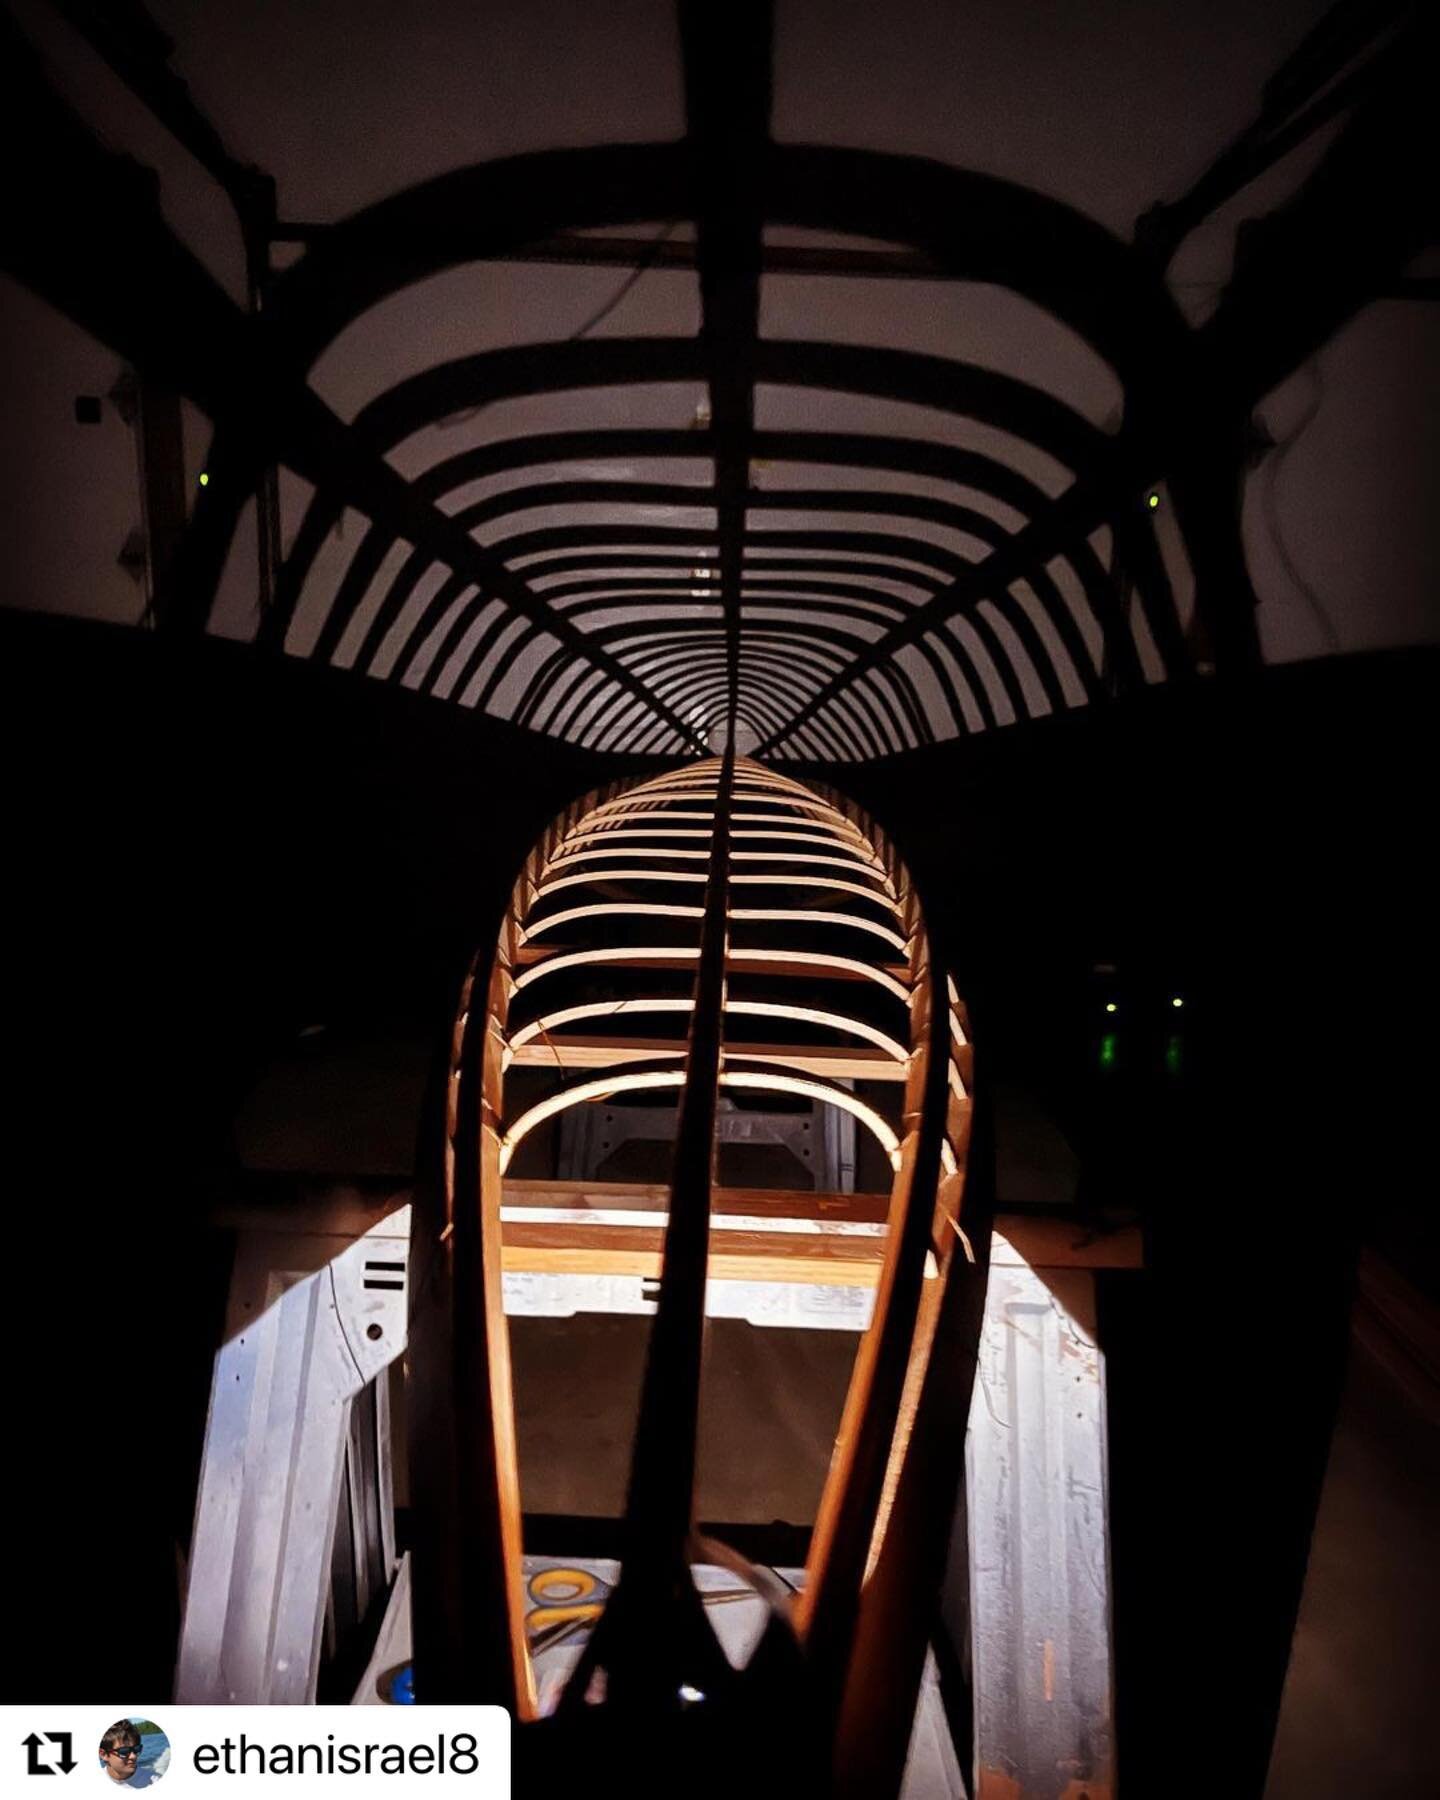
(829, 639)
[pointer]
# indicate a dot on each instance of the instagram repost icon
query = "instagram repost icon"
(134, 1753)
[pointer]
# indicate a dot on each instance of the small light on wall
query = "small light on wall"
(1153, 502)
(1177, 1001)
(204, 478)
(1111, 1007)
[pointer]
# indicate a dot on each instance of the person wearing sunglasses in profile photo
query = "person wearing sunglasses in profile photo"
(134, 1757)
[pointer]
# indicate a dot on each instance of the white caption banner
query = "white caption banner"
(54, 1752)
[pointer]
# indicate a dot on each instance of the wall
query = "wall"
(1360, 1691)
(205, 855)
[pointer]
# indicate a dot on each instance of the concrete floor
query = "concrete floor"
(769, 1413)
(1358, 1715)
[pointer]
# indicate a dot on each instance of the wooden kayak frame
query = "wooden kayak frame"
(848, 1648)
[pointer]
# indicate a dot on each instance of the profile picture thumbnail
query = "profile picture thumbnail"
(134, 1753)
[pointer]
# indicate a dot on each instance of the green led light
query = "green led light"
(1177, 1001)
(1108, 1050)
(1152, 501)
(1173, 1054)
(1110, 1006)
(204, 479)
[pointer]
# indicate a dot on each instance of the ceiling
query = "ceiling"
(869, 379)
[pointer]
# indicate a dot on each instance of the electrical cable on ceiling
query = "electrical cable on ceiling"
(646, 263)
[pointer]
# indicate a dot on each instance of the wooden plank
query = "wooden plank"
(1044, 1242)
(778, 1203)
(821, 1249)
(837, 1061)
(646, 1264)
